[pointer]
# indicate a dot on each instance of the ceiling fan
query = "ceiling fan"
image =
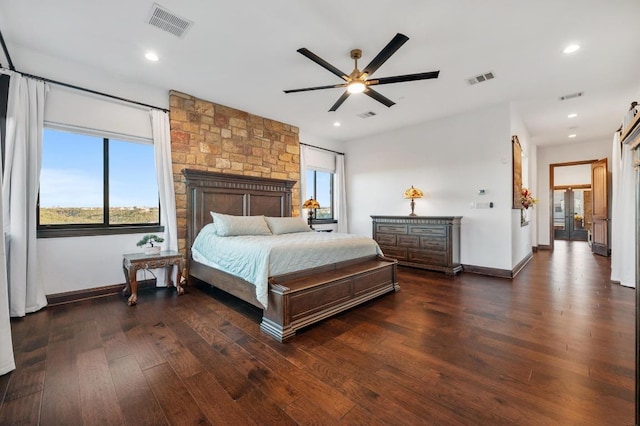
(358, 81)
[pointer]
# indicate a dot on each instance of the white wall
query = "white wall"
(580, 151)
(450, 160)
(522, 237)
(78, 263)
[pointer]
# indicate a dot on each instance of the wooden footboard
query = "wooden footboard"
(300, 299)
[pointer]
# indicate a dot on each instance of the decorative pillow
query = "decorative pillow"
(286, 225)
(228, 225)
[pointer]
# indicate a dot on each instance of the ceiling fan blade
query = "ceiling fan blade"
(324, 64)
(307, 89)
(378, 97)
(403, 78)
(340, 100)
(386, 53)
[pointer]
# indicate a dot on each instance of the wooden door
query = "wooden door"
(600, 206)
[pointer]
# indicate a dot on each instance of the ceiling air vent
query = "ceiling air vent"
(367, 114)
(571, 96)
(168, 21)
(480, 78)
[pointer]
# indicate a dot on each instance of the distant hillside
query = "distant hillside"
(79, 215)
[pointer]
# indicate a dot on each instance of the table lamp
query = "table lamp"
(310, 205)
(413, 193)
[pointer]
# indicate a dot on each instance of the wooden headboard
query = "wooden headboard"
(232, 194)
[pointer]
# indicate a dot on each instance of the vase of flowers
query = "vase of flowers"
(526, 200)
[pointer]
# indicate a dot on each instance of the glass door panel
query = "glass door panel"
(570, 218)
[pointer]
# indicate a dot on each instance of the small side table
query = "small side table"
(133, 262)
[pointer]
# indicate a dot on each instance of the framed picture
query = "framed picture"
(517, 171)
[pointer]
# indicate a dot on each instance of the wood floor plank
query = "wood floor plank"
(98, 398)
(21, 411)
(137, 402)
(314, 391)
(177, 403)
(179, 358)
(147, 354)
(61, 395)
(215, 402)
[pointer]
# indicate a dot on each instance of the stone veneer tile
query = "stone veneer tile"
(212, 137)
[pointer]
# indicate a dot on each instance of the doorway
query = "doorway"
(579, 193)
(571, 213)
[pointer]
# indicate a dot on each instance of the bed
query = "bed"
(295, 299)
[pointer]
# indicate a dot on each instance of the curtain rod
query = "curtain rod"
(324, 149)
(95, 92)
(6, 53)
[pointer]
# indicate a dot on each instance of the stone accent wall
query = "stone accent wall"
(212, 137)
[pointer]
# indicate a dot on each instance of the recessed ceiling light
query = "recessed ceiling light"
(572, 115)
(573, 135)
(336, 124)
(151, 56)
(571, 48)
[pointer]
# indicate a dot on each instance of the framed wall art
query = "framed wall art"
(517, 171)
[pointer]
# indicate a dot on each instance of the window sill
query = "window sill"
(90, 231)
(323, 221)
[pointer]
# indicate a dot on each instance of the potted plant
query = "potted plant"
(150, 239)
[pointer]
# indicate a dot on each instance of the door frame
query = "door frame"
(551, 188)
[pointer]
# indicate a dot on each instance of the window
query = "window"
(320, 186)
(89, 182)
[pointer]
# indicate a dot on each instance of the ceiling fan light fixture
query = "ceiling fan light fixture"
(356, 87)
(571, 48)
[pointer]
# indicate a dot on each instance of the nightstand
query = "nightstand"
(133, 262)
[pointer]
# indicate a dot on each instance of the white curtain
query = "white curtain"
(21, 178)
(164, 169)
(7, 362)
(341, 195)
(623, 247)
(303, 177)
(616, 217)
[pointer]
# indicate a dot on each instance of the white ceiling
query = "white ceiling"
(242, 53)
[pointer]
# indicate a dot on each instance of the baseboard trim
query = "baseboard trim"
(520, 266)
(500, 273)
(482, 270)
(92, 293)
(544, 247)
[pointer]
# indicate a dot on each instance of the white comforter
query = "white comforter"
(256, 258)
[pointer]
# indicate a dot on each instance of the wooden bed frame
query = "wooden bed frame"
(298, 299)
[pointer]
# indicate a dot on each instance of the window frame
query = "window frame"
(104, 228)
(332, 219)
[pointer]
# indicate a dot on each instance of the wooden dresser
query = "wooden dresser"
(428, 242)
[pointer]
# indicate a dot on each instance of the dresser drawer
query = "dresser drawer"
(439, 231)
(387, 239)
(391, 228)
(428, 257)
(411, 241)
(397, 253)
(433, 243)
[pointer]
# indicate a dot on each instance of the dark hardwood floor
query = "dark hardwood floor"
(554, 346)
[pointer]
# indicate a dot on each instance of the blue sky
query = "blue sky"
(323, 183)
(72, 169)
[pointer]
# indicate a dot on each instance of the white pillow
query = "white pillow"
(286, 225)
(228, 225)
